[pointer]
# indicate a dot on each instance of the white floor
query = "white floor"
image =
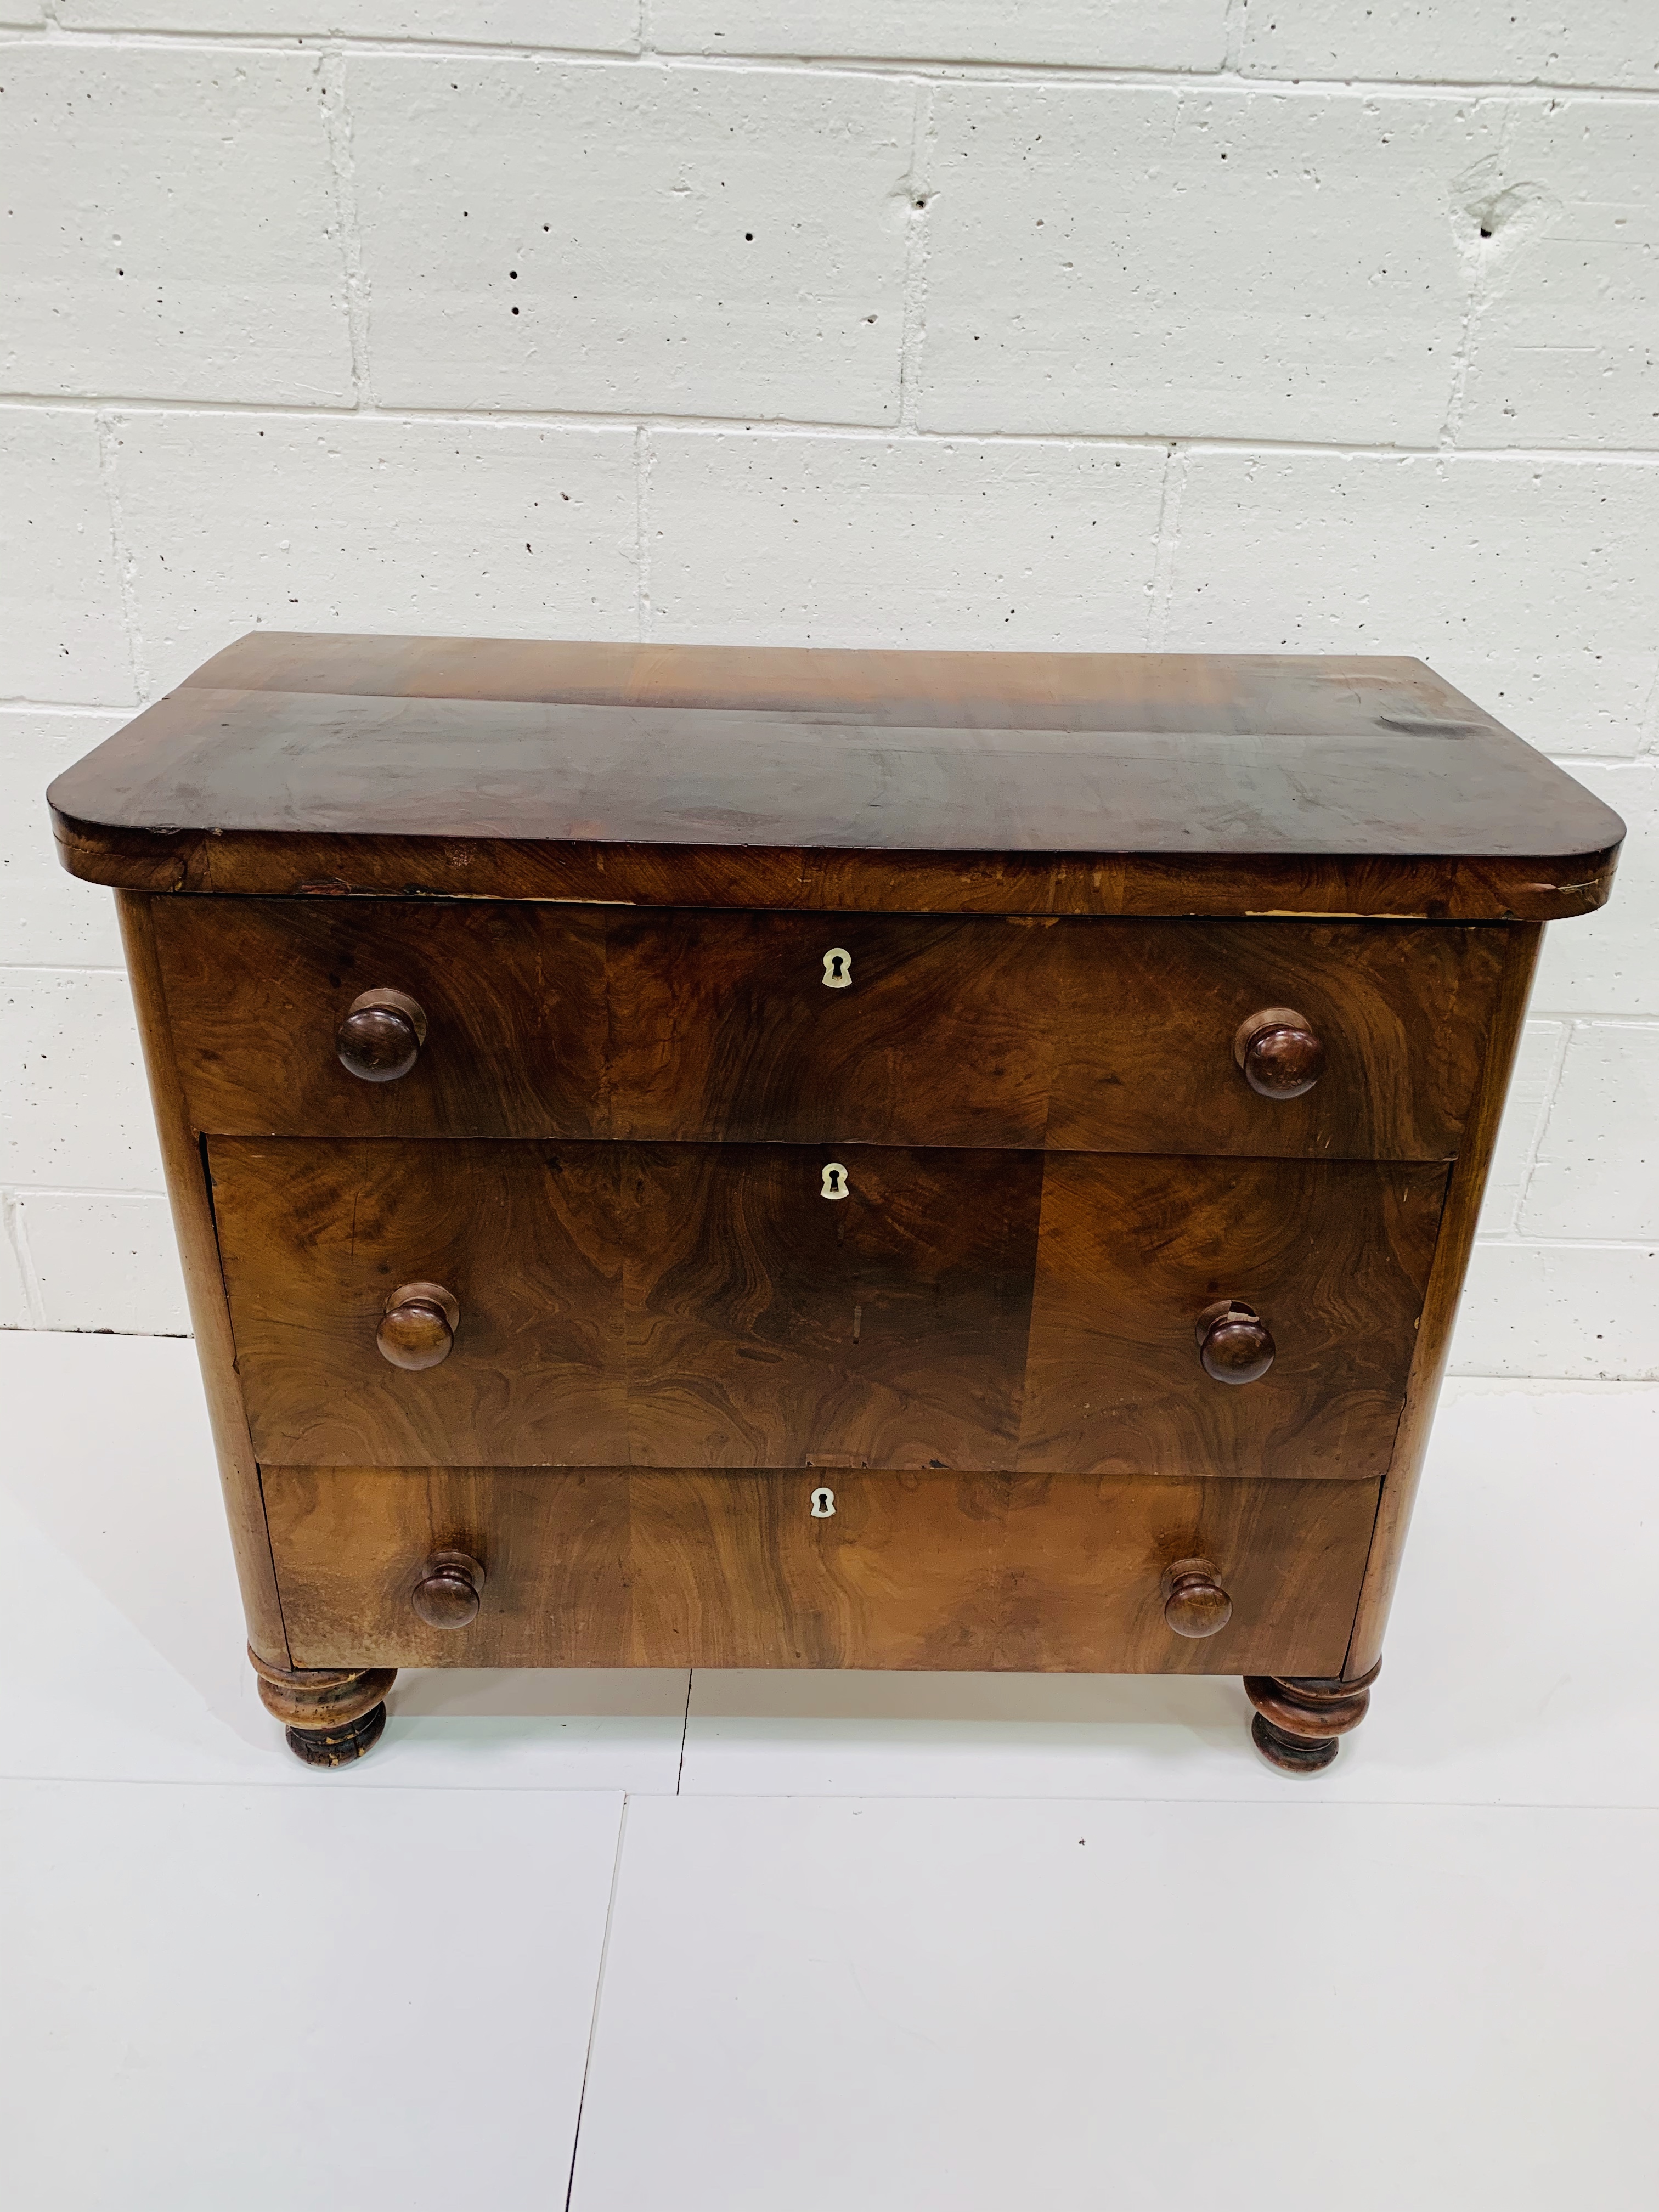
(797, 1942)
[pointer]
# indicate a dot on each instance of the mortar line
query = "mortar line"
(1650, 743)
(914, 313)
(644, 461)
(1166, 544)
(1237, 31)
(16, 1236)
(953, 68)
(784, 426)
(336, 129)
(1542, 1120)
(125, 565)
(16, 702)
(1478, 274)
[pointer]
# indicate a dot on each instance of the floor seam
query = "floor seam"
(685, 1728)
(599, 1995)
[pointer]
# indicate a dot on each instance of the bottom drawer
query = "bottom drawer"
(619, 1568)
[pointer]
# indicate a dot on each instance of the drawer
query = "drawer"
(686, 1568)
(684, 1305)
(666, 1026)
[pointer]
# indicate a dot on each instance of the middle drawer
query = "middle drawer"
(700, 1305)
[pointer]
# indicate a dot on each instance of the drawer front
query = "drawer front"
(688, 1568)
(666, 1305)
(663, 1025)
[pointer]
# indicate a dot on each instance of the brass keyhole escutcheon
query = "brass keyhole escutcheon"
(837, 968)
(834, 1183)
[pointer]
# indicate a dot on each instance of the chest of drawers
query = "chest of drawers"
(687, 1156)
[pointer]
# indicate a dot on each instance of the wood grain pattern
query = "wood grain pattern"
(1445, 1287)
(315, 1236)
(1300, 694)
(1125, 779)
(582, 1022)
(513, 996)
(631, 1305)
(769, 1328)
(1333, 1256)
(204, 1290)
(691, 1305)
(688, 1568)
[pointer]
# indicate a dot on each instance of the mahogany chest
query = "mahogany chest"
(700, 1157)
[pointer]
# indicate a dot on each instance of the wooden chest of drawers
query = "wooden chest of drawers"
(698, 1157)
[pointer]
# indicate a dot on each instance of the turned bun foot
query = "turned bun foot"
(331, 1715)
(338, 1746)
(1299, 1719)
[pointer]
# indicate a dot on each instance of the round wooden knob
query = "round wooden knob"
(1194, 1603)
(1234, 1342)
(419, 1325)
(1279, 1053)
(450, 1590)
(381, 1036)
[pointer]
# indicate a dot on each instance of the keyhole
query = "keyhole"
(837, 969)
(835, 1181)
(824, 1505)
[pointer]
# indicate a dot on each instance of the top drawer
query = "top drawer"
(663, 1025)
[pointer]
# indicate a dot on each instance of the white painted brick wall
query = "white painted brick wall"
(601, 25)
(937, 323)
(370, 522)
(894, 541)
(600, 237)
(174, 223)
(1190, 262)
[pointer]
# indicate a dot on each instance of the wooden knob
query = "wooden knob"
(419, 1325)
(1279, 1053)
(1194, 1603)
(381, 1036)
(1234, 1342)
(450, 1590)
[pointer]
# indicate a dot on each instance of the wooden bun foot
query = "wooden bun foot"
(332, 1715)
(338, 1746)
(1299, 1719)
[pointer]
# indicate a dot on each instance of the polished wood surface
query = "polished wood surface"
(380, 1035)
(1334, 1258)
(1445, 1287)
(449, 1591)
(830, 1159)
(1278, 1053)
(1083, 783)
(514, 999)
(1195, 1602)
(644, 1305)
(1235, 1345)
(711, 1305)
(314, 1237)
(687, 1567)
(332, 1716)
(204, 1290)
(417, 1327)
(1299, 1720)
(587, 1022)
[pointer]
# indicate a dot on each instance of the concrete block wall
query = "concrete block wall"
(1212, 325)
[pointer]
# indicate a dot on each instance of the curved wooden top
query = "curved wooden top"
(713, 776)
